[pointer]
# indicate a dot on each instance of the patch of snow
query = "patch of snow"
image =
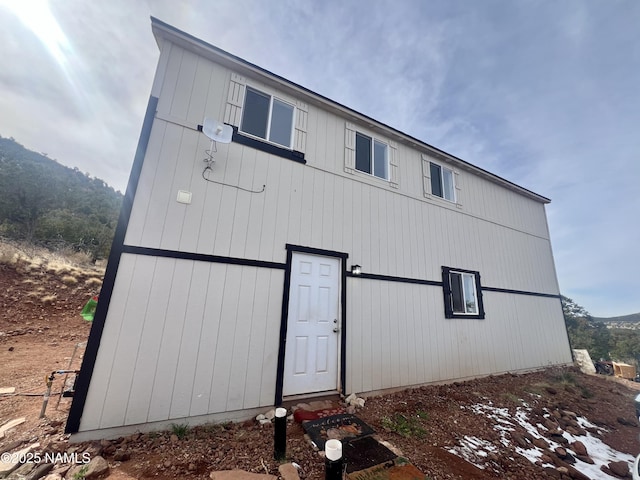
(475, 450)
(532, 454)
(599, 452)
(584, 423)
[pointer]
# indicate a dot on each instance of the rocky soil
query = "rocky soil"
(545, 424)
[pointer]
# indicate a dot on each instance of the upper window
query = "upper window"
(462, 293)
(372, 156)
(267, 117)
(442, 182)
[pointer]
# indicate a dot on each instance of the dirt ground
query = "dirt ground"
(41, 326)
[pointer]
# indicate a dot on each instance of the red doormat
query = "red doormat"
(398, 469)
(344, 427)
(302, 415)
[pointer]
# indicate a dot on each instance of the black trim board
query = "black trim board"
(519, 292)
(435, 283)
(200, 257)
(239, 137)
(93, 343)
(316, 251)
(388, 278)
(291, 249)
(283, 330)
(343, 328)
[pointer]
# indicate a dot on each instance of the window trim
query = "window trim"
(373, 140)
(448, 299)
(442, 184)
(272, 98)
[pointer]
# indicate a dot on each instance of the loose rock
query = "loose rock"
(97, 467)
(121, 455)
(621, 469)
(577, 475)
(288, 472)
(541, 443)
(561, 452)
(579, 448)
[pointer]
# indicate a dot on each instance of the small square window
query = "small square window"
(267, 117)
(442, 182)
(462, 293)
(372, 156)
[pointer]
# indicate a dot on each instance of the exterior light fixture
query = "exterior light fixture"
(356, 269)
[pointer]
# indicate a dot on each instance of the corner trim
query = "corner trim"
(93, 343)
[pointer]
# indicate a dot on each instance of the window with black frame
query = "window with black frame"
(267, 117)
(462, 293)
(442, 183)
(372, 156)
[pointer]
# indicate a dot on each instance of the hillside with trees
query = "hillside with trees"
(48, 204)
(628, 322)
(602, 340)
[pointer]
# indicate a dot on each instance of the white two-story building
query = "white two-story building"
(320, 251)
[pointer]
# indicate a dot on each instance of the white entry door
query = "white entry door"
(313, 325)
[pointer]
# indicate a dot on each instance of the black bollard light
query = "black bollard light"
(280, 434)
(333, 464)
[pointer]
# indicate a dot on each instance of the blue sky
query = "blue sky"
(543, 93)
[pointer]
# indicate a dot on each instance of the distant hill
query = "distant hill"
(49, 204)
(633, 318)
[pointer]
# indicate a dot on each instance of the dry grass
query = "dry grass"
(37, 293)
(69, 280)
(57, 268)
(31, 265)
(48, 299)
(70, 268)
(34, 260)
(9, 258)
(93, 281)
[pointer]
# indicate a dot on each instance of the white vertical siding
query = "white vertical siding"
(184, 339)
(401, 337)
(187, 338)
(388, 231)
(149, 348)
(172, 327)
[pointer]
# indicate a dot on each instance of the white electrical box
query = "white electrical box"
(184, 197)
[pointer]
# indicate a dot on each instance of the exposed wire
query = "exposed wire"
(210, 160)
(208, 168)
